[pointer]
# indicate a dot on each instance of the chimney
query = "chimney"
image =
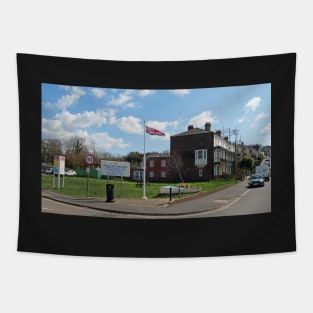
(218, 133)
(190, 127)
(226, 138)
(207, 127)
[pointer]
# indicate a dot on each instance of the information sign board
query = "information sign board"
(113, 168)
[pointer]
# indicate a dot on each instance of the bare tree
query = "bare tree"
(177, 164)
(75, 151)
(50, 148)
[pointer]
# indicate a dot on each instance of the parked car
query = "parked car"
(49, 170)
(70, 173)
(256, 180)
(266, 177)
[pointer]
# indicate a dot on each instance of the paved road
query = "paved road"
(251, 201)
(235, 200)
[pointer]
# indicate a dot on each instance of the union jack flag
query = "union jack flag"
(153, 131)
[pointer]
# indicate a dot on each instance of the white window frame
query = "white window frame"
(204, 154)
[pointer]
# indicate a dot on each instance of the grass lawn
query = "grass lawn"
(77, 186)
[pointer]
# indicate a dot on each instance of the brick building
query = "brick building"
(203, 154)
(157, 167)
(194, 148)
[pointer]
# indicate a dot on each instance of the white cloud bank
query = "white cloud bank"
(67, 100)
(253, 103)
(180, 92)
(202, 118)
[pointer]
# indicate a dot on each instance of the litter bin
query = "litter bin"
(110, 192)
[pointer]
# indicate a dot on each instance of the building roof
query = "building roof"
(193, 131)
(157, 155)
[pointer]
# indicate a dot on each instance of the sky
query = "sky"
(112, 120)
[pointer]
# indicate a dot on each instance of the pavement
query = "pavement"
(198, 203)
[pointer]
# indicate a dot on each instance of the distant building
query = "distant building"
(157, 166)
(137, 173)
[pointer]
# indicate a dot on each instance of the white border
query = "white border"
(154, 30)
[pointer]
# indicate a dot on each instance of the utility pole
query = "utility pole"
(235, 132)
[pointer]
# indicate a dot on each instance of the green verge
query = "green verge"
(77, 186)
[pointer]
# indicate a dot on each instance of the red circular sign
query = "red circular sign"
(89, 159)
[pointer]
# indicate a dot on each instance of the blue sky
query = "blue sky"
(112, 119)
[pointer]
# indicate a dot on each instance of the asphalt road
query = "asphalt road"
(252, 201)
(235, 200)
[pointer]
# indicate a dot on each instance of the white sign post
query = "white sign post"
(58, 168)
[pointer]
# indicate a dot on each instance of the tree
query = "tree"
(177, 164)
(50, 148)
(75, 152)
(134, 158)
(246, 165)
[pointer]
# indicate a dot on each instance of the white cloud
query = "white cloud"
(103, 141)
(180, 92)
(52, 129)
(201, 119)
(85, 119)
(122, 98)
(146, 92)
(266, 130)
(65, 125)
(162, 125)
(67, 100)
(241, 119)
(98, 92)
(261, 116)
(65, 87)
(129, 124)
(253, 103)
(130, 105)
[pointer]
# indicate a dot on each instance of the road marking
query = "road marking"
(244, 193)
(224, 207)
(221, 201)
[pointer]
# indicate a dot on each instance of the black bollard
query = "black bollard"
(110, 192)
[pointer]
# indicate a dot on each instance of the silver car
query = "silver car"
(256, 180)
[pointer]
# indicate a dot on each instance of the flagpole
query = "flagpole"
(144, 162)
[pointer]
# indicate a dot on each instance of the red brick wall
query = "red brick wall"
(157, 168)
